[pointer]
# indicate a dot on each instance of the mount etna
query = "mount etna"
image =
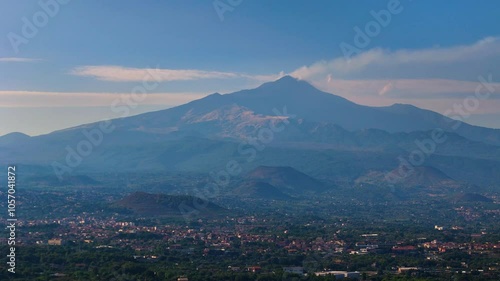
(285, 123)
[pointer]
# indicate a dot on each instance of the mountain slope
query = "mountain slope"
(287, 179)
(204, 117)
(259, 190)
(143, 203)
(423, 176)
(319, 133)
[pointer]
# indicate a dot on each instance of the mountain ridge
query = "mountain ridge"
(340, 138)
(296, 96)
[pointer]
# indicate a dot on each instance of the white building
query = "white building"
(339, 274)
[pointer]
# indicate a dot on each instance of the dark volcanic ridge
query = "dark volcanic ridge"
(259, 190)
(143, 203)
(286, 179)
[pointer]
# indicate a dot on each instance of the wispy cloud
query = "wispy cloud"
(17, 59)
(129, 74)
(16, 99)
(457, 62)
(433, 94)
(383, 77)
(404, 88)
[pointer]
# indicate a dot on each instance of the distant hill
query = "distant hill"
(143, 203)
(259, 190)
(286, 179)
(13, 138)
(430, 177)
(471, 197)
(422, 176)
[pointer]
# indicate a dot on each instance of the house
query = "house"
(254, 269)
(407, 269)
(55, 241)
(404, 249)
(339, 274)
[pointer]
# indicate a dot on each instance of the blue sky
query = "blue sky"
(89, 53)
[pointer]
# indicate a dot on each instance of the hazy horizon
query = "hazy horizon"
(371, 56)
(85, 115)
